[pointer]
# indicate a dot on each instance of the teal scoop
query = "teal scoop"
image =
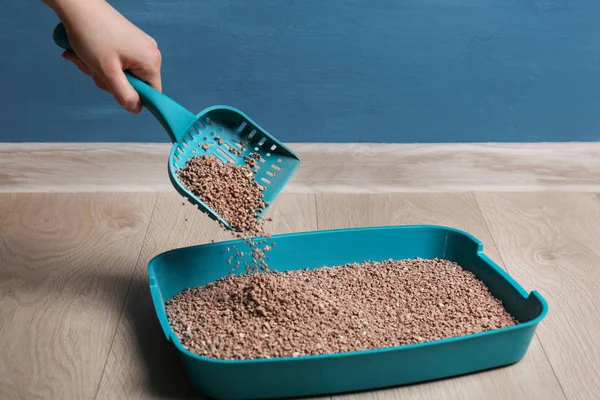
(220, 131)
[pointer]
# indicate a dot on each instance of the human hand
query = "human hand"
(105, 44)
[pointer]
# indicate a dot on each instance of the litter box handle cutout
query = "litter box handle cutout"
(175, 118)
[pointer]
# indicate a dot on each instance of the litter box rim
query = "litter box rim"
(172, 337)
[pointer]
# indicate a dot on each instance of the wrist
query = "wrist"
(70, 8)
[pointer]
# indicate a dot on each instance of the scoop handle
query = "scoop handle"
(175, 118)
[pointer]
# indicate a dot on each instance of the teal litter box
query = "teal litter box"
(178, 269)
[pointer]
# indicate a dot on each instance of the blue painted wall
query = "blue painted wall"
(328, 71)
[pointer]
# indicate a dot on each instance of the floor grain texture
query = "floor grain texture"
(76, 320)
(551, 243)
(65, 266)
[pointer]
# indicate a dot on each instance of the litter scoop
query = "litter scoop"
(220, 131)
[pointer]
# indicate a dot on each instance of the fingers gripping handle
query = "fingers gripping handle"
(175, 118)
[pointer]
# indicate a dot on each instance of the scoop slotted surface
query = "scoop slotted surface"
(230, 136)
(330, 310)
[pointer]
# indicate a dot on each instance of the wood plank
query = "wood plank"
(326, 167)
(141, 364)
(66, 262)
(532, 377)
(551, 243)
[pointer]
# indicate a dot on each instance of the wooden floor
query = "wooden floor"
(76, 319)
(325, 167)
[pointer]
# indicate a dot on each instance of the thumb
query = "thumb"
(119, 86)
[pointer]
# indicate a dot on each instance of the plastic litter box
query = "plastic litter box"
(176, 270)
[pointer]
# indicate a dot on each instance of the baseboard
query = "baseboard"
(325, 168)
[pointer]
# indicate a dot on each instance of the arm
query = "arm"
(106, 44)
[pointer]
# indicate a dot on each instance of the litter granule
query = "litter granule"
(233, 193)
(333, 309)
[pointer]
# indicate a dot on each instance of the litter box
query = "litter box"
(176, 270)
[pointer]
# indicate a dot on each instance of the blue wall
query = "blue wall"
(328, 70)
